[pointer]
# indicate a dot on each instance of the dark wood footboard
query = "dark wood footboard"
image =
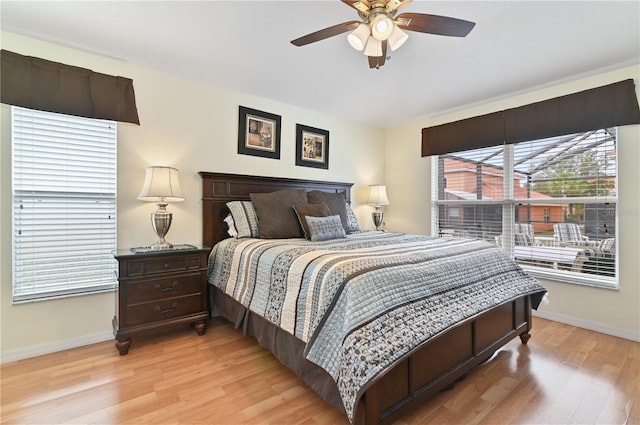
(440, 362)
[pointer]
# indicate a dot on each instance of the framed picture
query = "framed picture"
(312, 147)
(258, 133)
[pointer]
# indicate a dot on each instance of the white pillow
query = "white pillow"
(231, 227)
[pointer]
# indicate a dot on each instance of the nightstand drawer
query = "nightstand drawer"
(164, 309)
(162, 288)
(142, 268)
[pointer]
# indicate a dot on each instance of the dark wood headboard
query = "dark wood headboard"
(220, 188)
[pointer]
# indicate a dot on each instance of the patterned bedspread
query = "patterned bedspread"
(361, 303)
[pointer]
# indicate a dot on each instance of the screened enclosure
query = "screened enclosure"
(551, 203)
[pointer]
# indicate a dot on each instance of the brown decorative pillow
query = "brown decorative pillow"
(335, 201)
(276, 217)
(310, 210)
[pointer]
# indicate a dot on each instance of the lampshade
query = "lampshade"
(397, 38)
(373, 47)
(381, 27)
(378, 195)
(358, 38)
(161, 184)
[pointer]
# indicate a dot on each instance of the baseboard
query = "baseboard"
(588, 324)
(54, 346)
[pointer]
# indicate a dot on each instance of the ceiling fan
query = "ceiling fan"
(380, 28)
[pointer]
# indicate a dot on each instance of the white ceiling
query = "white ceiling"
(244, 45)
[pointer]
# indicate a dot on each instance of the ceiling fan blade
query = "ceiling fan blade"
(325, 33)
(435, 24)
(361, 5)
(397, 4)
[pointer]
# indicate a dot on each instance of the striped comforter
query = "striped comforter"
(362, 303)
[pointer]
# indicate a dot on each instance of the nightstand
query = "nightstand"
(158, 289)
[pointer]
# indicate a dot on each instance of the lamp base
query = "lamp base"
(161, 245)
(161, 221)
(377, 216)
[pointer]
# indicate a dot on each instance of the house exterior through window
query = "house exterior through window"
(551, 203)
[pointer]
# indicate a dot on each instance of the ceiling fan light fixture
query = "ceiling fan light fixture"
(373, 47)
(397, 38)
(381, 27)
(358, 37)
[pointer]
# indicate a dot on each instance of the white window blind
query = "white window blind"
(64, 204)
(550, 203)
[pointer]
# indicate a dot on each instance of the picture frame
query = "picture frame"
(258, 133)
(312, 147)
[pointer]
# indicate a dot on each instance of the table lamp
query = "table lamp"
(378, 197)
(161, 185)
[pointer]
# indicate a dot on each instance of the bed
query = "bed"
(372, 358)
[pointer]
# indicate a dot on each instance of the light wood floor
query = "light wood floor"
(565, 375)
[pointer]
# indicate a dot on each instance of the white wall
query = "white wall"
(185, 124)
(408, 178)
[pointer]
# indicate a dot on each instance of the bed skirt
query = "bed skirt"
(285, 347)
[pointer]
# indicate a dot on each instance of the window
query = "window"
(547, 215)
(551, 203)
(64, 204)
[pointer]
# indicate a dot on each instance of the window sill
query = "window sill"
(52, 297)
(574, 278)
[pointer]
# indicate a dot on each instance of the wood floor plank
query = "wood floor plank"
(564, 375)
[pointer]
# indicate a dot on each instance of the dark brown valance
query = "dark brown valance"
(40, 84)
(607, 106)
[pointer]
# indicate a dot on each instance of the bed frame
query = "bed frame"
(432, 367)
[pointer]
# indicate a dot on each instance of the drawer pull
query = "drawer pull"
(165, 265)
(166, 310)
(168, 288)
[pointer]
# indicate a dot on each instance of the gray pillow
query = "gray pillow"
(335, 201)
(276, 216)
(353, 225)
(325, 228)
